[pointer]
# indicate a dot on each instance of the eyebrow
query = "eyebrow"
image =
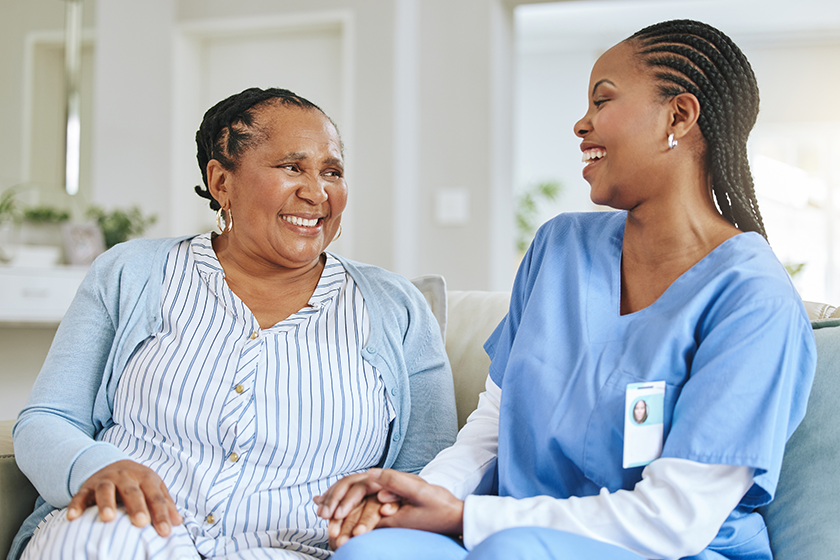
(604, 81)
(300, 156)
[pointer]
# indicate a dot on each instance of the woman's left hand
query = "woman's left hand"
(423, 506)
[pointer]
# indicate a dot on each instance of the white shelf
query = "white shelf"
(30, 295)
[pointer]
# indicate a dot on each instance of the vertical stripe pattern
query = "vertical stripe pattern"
(246, 425)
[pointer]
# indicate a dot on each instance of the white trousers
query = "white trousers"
(88, 538)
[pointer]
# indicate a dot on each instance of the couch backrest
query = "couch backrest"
(471, 318)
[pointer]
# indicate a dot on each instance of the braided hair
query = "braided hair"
(694, 57)
(228, 129)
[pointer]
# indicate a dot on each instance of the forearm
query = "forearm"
(59, 457)
(55, 432)
(467, 466)
(674, 511)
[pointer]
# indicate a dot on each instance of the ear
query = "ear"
(685, 110)
(218, 183)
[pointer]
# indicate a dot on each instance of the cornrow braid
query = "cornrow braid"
(228, 129)
(693, 57)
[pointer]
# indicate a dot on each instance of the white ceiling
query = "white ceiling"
(588, 24)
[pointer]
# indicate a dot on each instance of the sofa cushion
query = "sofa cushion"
(804, 518)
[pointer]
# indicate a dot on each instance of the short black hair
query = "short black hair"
(228, 129)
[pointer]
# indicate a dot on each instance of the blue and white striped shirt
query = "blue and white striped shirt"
(245, 425)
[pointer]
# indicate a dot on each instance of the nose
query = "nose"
(582, 127)
(312, 190)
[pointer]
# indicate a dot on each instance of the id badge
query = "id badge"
(643, 404)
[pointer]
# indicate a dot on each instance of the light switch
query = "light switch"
(452, 206)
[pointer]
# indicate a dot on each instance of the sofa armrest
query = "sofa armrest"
(17, 496)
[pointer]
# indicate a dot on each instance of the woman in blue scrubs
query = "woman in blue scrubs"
(675, 299)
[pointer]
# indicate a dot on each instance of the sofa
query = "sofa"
(803, 521)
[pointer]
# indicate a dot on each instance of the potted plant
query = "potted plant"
(120, 225)
(41, 225)
(8, 213)
(39, 237)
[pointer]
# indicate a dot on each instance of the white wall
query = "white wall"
(451, 57)
(23, 348)
(428, 113)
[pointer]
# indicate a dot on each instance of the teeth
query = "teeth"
(592, 154)
(294, 220)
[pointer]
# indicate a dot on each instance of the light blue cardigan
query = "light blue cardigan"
(118, 306)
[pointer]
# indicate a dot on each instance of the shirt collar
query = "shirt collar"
(332, 280)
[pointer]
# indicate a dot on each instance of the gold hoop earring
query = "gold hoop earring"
(228, 221)
(337, 235)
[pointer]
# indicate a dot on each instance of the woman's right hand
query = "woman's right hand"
(140, 490)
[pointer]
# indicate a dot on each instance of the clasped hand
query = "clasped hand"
(361, 502)
(140, 490)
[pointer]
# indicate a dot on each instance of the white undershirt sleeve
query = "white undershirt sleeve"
(468, 466)
(674, 511)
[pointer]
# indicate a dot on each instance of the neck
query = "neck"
(681, 222)
(240, 263)
(662, 240)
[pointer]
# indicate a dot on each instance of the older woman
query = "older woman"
(200, 391)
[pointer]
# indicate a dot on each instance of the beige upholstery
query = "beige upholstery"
(472, 316)
(821, 311)
(468, 319)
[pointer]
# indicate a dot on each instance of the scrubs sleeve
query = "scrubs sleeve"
(747, 390)
(499, 344)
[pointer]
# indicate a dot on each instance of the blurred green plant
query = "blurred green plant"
(45, 215)
(527, 210)
(8, 206)
(120, 225)
(794, 268)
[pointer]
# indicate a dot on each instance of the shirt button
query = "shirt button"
(233, 457)
(254, 335)
(239, 389)
(210, 519)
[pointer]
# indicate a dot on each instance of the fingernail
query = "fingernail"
(141, 519)
(107, 513)
(164, 529)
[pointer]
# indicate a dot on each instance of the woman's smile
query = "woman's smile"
(298, 221)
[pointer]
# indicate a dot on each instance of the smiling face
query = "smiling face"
(287, 192)
(623, 131)
(640, 412)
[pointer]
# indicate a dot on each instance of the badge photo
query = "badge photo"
(643, 426)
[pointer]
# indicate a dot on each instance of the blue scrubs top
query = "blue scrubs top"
(730, 338)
